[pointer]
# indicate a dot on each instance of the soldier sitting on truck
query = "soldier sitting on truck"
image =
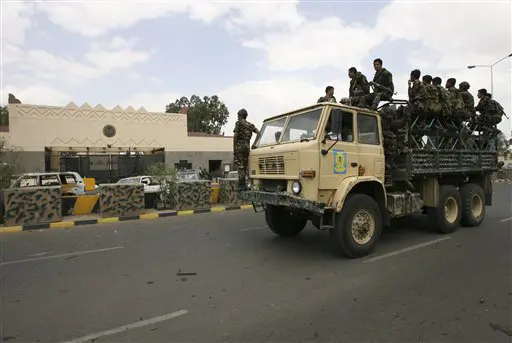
(329, 95)
(383, 83)
(444, 97)
(459, 112)
(417, 95)
(433, 101)
(359, 87)
(491, 112)
(469, 100)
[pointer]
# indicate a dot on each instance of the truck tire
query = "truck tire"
(357, 227)
(447, 215)
(473, 204)
(283, 222)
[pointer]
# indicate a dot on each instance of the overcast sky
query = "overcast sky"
(265, 56)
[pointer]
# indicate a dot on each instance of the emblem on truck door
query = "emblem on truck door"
(340, 161)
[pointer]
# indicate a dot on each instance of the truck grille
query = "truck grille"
(271, 165)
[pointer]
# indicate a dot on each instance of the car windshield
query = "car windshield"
(300, 127)
(130, 180)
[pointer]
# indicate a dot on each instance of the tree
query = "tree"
(8, 157)
(166, 177)
(503, 146)
(207, 115)
(4, 116)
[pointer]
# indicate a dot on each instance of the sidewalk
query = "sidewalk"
(71, 221)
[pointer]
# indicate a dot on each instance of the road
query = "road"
(118, 282)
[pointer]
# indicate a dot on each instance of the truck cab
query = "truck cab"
(326, 163)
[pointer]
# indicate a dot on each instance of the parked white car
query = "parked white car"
(71, 182)
(150, 185)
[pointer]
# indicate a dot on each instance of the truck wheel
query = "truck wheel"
(283, 222)
(447, 215)
(473, 204)
(358, 226)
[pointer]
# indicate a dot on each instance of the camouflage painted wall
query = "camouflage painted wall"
(228, 192)
(32, 205)
(503, 174)
(121, 200)
(193, 195)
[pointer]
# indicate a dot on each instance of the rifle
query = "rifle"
(379, 86)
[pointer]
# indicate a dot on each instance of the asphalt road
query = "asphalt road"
(118, 283)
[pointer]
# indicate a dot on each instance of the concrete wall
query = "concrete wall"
(34, 205)
(73, 128)
(121, 200)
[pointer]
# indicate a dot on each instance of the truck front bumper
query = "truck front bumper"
(282, 199)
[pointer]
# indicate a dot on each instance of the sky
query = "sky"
(265, 56)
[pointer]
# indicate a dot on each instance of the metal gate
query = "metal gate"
(109, 168)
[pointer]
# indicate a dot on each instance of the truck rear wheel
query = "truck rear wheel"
(358, 226)
(284, 222)
(446, 216)
(473, 204)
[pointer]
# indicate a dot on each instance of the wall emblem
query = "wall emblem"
(109, 131)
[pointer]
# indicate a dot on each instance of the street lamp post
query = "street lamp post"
(491, 66)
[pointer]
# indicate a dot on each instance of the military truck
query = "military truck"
(326, 163)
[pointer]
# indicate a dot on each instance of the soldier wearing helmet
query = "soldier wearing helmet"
(242, 137)
(469, 100)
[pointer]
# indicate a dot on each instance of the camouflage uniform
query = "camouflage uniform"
(417, 97)
(491, 113)
(384, 78)
(326, 99)
(359, 89)
(445, 100)
(468, 99)
(242, 137)
(458, 108)
(433, 100)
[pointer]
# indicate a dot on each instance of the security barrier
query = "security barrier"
(32, 205)
(192, 194)
(228, 192)
(121, 199)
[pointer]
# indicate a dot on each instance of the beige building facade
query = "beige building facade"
(52, 138)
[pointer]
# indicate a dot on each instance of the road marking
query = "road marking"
(108, 220)
(57, 256)
(149, 216)
(139, 324)
(254, 228)
(414, 247)
(506, 220)
(40, 254)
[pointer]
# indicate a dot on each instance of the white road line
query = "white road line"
(139, 324)
(255, 228)
(506, 220)
(414, 247)
(57, 256)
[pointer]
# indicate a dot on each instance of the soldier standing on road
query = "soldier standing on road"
(329, 95)
(385, 80)
(359, 87)
(242, 137)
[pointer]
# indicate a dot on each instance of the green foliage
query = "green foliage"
(503, 146)
(8, 158)
(167, 178)
(207, 115)
(204, 174)
(4, 116)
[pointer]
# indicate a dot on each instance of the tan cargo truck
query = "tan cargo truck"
(326, 163)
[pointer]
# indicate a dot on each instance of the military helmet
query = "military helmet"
(243, 112)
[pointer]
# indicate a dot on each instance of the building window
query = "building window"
(183, 164)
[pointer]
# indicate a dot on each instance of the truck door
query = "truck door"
(341, 160)
(371, 152)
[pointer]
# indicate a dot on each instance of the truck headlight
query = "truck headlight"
(296, 187)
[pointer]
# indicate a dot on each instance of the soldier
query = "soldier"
(329, 95)
(491, 111)
(458, 109)
(359, 87)
(469, 100)
(444, 97)
(242, 136)
(416, 92)
(433, 102)
(383, 83)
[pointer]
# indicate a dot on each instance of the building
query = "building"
(108, 143)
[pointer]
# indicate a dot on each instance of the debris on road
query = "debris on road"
(497, 327)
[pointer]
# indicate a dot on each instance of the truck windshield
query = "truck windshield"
(301, 126)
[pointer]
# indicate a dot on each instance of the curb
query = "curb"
(69, 224)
